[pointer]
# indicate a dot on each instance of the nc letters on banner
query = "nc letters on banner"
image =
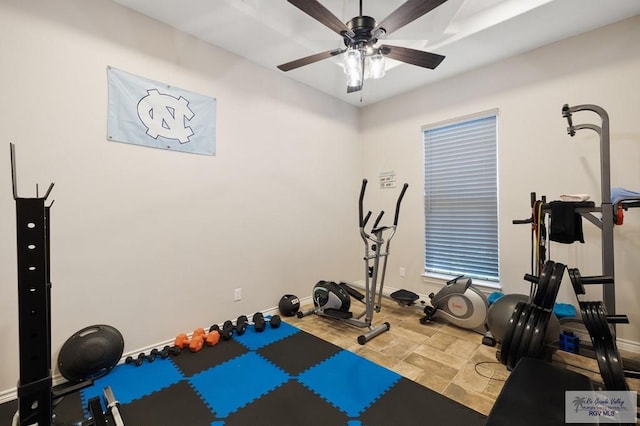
(146, 112)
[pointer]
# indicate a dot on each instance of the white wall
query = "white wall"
(154, 242)
(535, 153)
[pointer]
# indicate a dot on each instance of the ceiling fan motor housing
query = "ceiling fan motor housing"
(361, 26)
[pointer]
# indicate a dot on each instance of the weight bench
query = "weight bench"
(534, 394)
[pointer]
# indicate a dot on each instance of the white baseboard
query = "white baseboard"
(628, 345)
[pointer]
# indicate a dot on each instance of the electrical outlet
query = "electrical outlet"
(402, 272)
(237, 294)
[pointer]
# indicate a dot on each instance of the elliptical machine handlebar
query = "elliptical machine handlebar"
(404, 189)
(364, 219)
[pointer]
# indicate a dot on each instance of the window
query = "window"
(461, 197)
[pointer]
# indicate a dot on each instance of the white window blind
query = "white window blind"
(461, 198)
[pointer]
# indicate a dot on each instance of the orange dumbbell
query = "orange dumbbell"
(194, 344)
(181, 341)
(213, 337)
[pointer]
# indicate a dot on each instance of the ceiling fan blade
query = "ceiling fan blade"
(412, 56)
(322, 15)
(408, 12)
(310, 59)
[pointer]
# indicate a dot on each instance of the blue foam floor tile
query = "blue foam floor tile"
(367, 381)
(230, 386)
(254, 340)
(129, 382)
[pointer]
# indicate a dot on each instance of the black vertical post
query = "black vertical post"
(35, 400)
(34, 387)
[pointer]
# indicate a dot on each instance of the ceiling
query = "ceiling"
(470, 33)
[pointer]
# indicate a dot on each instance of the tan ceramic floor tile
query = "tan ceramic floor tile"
(433, 382)
(469, 379)
(462, 348)
(377, 357)
(440, 340)
(433, 367)
(400, 348)
(445, 358)
(407, 370)
(476, 401)
(409, 334)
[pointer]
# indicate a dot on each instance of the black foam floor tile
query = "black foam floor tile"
(68, 410)
(7, 410)
(298, 352)
(191, 363)
(176, 405)
(409, 401)
(290, 404)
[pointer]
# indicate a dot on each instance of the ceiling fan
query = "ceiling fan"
(360, 36)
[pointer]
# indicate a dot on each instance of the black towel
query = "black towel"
(566, 224)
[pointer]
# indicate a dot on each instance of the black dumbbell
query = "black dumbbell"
(136, 361)
(260, 323)
(241, 324)
(164, 353)
(227, 330)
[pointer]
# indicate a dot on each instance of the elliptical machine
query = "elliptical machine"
(333, 300)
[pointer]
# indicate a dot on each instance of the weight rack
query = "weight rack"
(34, 305)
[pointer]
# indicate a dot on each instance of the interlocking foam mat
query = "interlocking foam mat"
(281, 376)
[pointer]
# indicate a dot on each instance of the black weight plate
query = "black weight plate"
(517, 336)
(615, 362)
(510, 328)
(599, 347)
(90, 353)
(536, 345)
(587, 319)
(529, 329)
(599, 311)
(543, 282)
(549, 298)
(576, 281)
(600, 325)
(615, 367)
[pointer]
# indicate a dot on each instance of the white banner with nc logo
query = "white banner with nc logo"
(149, 113)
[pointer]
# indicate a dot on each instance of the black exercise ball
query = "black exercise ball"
(289, 305)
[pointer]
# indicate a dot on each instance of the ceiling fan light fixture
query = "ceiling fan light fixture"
(376, 66)
(352, 60)
(353, 67)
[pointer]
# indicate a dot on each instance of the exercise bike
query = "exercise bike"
(458, 303)
(333, 300)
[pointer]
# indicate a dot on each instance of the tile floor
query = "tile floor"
(447, 359)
